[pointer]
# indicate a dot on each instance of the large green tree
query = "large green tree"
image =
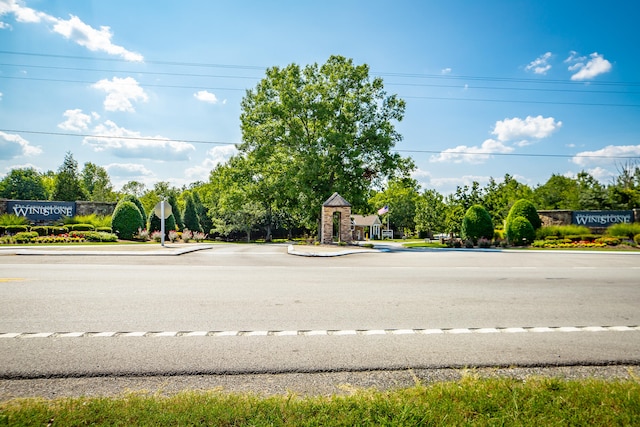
(23, 184)
(499, 197)
(559, 192)
(320, 129)
(97, 183)
(68, 186)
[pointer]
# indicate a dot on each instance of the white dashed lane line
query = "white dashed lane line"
(318, 332)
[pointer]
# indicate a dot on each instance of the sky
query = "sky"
(151, 90)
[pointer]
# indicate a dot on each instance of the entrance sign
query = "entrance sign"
(36, 211)
(601, 219)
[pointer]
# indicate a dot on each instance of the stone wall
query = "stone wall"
(98, 208)
(555, 218)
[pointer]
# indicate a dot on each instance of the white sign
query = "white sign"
(158, 210)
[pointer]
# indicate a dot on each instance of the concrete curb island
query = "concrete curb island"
(111, 250)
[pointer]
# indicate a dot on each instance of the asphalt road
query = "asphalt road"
(255, 309)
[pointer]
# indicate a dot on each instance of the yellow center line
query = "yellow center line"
(11, 279)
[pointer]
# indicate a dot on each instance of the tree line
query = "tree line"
(308, 132)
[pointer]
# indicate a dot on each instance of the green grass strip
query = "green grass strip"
(535, 401)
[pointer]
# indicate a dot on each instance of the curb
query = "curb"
(102, 252)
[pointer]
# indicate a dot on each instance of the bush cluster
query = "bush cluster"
(522, 223)
(126, 220)
(476, 224)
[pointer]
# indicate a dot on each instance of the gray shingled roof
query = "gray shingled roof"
(336, 201)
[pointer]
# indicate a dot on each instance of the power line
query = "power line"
(390, 74)
(462, 153)
(401, 96)
(173, 74)
(143, 85)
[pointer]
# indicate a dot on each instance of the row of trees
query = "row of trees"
(310, 131)
(429, 211)
(68, 184)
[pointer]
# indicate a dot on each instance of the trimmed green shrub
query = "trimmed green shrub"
(25, 236)
(526, 209)
(42, 230)
(133, 199)
(97, 236)
(636, 239)
(476, 223)
(627, 230)
(56, 231)
(126, 220)
(13, 229)
(520, 231)
(104, 229)
(81, 227)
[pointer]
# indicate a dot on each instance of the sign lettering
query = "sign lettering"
(41, 211)
(601, 218)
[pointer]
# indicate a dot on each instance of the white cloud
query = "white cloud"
(446, 71)
(215, 156)
(532, 127)
(13, 145)
(126, 143)
(5, 26)
(120, 93)
(128, 170)
(594, 67)
(474, 154)
(206, 96)
(95, 40)
(614, 152)
(73, 29)
(77, 121)
(540, 65)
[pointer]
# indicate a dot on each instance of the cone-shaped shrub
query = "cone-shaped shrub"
(526, 209)
(126, 220)
(476, 223)
(190, 215)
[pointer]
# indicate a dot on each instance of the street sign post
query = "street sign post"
(162, 211)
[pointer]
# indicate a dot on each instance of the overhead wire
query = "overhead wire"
(536, 82)
(191, 141)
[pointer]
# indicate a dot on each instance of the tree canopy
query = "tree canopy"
(23, 184)
(67, 184)
(321, 129)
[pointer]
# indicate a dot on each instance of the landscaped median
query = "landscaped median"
(533, 401)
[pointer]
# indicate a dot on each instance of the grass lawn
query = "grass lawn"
(536, 401)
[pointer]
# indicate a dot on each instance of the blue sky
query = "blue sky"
(528, 88)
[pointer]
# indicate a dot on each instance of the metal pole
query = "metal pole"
(162, 222)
